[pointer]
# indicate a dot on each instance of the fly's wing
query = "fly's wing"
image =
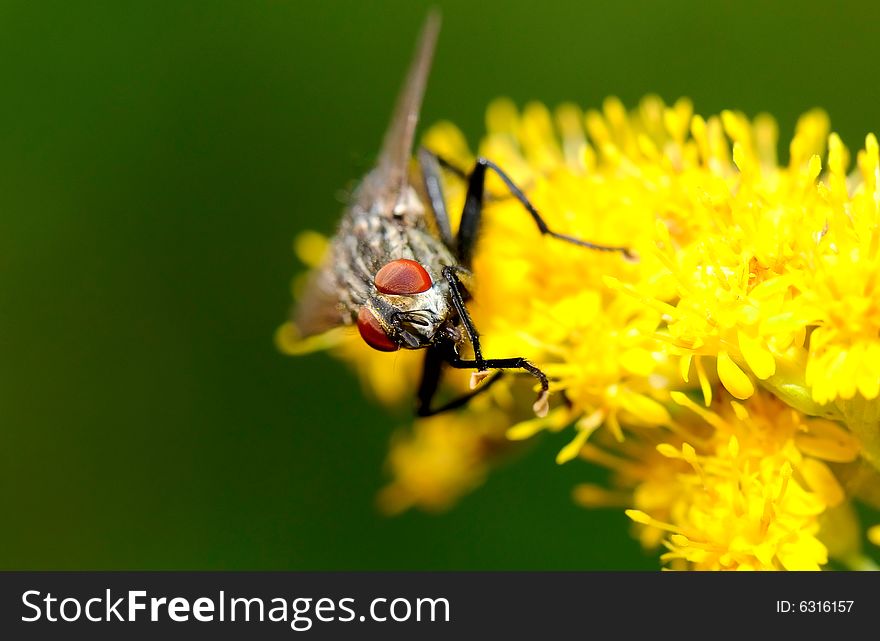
(319, 307)
(388, 181)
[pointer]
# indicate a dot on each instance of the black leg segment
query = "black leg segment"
(424, 405)
(451, 275)
(473, 208)
(541, 405)
(430, 168)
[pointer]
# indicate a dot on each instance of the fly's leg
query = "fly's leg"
(541, 405)
(430, 167)
(482, 365)
(434, 360)
(473, 208)
(443, 162)
(454, 169)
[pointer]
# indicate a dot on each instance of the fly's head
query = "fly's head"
(407, 310)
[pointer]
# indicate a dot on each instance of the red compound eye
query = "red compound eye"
(402, 277)
(372, 332)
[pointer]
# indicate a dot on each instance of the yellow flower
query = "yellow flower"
(728, 375)
(738, 486)
(440, 459)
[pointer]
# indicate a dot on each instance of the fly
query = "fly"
(395, 270)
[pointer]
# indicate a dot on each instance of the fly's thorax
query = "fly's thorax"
(372, 201)
(407, 209)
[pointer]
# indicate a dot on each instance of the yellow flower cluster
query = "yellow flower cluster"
(728, 376)
(737, 486)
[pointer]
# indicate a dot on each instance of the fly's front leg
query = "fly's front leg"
(542, 405)
(450, 273)
(481, 364)
(473, 209)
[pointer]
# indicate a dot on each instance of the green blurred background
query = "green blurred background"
(156, 160)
